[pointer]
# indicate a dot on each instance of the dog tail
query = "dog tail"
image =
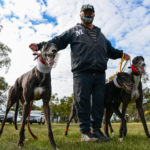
(32, 134)
(15, 115)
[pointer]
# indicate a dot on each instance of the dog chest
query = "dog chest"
(135, 90)
(38, 92)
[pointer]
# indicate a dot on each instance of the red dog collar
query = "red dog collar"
(38, 56)
(42, 61)
(133, 69)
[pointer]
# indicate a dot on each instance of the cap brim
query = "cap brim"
(87, 9)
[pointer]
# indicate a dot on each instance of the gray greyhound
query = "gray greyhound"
(34, 85)
(137, 70)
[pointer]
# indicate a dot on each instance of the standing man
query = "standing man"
(90, 51)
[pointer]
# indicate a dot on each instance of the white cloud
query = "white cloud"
(146, 3)
(127, 22)
(28, 9)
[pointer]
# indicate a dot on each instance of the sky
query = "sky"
(126, 23)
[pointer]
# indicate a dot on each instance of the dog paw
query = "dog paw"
(20, 145)
(57, 148)
(113, 134)
(120, 139)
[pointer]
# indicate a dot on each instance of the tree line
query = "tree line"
(5, 63)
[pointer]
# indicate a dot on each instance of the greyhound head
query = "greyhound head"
(138, 65)
(125, 81)
(48, 54)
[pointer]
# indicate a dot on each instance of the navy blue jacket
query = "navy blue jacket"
(86, 54)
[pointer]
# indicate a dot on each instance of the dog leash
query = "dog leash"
(125, 66)
(32, 134)
(37, 55)
(122, 69)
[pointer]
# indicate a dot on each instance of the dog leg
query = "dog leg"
(107, 116)
(9, 105)
(109, 123)
(22, 130)
(123, 123)
(123, 126)
(15, 115)
(141, 113)
(71, 116)
(111, 129)
(105, 130)
(47, 117)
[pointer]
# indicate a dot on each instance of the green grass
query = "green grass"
(135, 140)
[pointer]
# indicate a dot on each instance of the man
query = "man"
(90, 51)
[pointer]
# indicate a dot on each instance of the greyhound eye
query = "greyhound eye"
(50, 55)
(54, 50)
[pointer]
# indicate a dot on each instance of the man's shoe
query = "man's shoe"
(101, 137)
(87, 137)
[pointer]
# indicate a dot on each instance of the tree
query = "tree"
(3, 88)
(54, 108)
(4, 58)
(60, 108)
(4, 63)
(65, 108)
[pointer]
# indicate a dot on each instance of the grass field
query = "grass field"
(135, 140)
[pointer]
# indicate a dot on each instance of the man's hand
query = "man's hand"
(126, 56)
(34, 46)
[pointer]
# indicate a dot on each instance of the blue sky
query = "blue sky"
(126, 23)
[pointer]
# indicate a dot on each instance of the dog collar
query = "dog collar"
(133, 69)
(42, 61)
(42, 67)
(38, 56)
(116, 83)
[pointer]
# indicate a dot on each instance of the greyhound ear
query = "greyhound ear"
(142, 58)
(136, 58)
(42, 48)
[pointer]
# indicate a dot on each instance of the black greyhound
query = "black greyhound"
(137, 69)
(34, 85)
(122, 81)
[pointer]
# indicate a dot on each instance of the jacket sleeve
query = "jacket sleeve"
(112, 52)
(61, 41)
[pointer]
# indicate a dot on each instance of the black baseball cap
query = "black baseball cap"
(87, 6)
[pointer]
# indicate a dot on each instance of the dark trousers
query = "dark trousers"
(89, 91)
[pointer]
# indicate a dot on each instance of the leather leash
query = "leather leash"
(32, 134)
